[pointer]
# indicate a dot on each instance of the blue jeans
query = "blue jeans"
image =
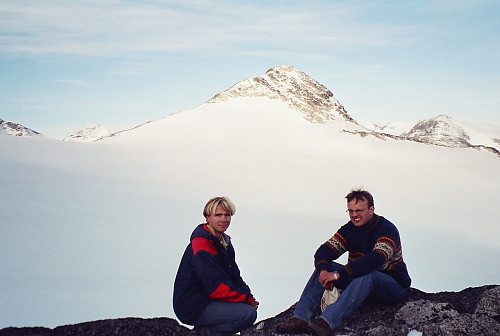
(226, 318)
(376, 285)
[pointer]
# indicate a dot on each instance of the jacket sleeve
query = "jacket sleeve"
(238, 280)
(216, 282)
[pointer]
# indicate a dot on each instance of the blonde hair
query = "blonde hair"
(213, 203)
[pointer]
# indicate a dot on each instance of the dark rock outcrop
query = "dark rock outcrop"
(123, 327)
(473, 311)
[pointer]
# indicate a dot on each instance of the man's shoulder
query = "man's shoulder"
(203, 244)
(387, 228)
(384, 222)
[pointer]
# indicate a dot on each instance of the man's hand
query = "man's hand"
(254, 304)
(326, 279)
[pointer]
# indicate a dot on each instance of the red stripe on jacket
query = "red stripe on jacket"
(203, 244)
(224, 293)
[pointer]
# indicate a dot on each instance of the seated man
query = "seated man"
(375, 269)
(208, 290)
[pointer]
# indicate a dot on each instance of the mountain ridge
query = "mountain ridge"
(294, 87)
(317, 105)
(14, 129)
(89, 134)
(442, 131)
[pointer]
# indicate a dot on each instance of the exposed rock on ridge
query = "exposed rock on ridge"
(294, 87)
(473, 311)
(441, 131)
(89, 134)
(10, 128)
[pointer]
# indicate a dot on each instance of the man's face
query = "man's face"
(219, 221)
(359, 212)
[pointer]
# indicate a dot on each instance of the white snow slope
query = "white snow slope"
(92, 231)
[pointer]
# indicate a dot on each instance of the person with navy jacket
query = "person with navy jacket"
(209, 291)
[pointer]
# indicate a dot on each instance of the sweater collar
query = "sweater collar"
(222, 239)
(371, 224)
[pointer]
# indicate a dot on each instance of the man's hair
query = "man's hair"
(213, 203)
(360, 195)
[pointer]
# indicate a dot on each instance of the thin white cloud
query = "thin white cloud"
(70, 81)
(123, 73)
(117, 27)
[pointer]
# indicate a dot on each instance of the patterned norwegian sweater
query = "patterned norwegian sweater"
(373, 246)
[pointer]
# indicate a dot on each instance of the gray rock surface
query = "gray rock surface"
(473, 311)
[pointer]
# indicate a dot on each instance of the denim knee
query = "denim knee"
(252, 316)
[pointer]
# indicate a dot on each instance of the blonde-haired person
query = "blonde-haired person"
(223, 202)
(208, 289)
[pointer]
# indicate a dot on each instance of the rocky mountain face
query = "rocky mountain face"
(10, 128)
(318, 105)
(473, 311)
(294, 87)
(441, 131)
(89, 134)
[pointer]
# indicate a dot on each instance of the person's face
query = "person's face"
(359, 212)
(219, 221)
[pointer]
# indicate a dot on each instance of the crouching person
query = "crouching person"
(208, 291)
(375, 269)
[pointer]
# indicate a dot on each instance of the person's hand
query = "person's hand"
(254, 304)
(326, 279)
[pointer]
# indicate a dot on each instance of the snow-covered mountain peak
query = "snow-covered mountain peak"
(89, 134)
(297, 89)
(10, 128)
(440, 130)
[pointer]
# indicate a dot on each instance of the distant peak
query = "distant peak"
(11, 128)
(440, 130)
(89, 134)
(286, 68)
(297, 89)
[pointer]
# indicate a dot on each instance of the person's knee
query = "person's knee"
(364, 281)
(247, 317)
(251, 316)
(368, 277)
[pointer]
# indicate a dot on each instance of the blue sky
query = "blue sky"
(66, 65)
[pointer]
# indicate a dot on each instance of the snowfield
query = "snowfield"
(92, 231)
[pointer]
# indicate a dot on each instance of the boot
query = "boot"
(319, 327)
(293, 326)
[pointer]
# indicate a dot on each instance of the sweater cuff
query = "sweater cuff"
(322, 265)
(345, 272)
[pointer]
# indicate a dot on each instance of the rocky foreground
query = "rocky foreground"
(473, 311)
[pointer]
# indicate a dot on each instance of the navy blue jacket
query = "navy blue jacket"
(373, 246)
(207, 272)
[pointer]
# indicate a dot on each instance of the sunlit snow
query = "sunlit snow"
(96, 230)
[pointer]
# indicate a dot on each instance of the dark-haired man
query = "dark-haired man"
(375, 269)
